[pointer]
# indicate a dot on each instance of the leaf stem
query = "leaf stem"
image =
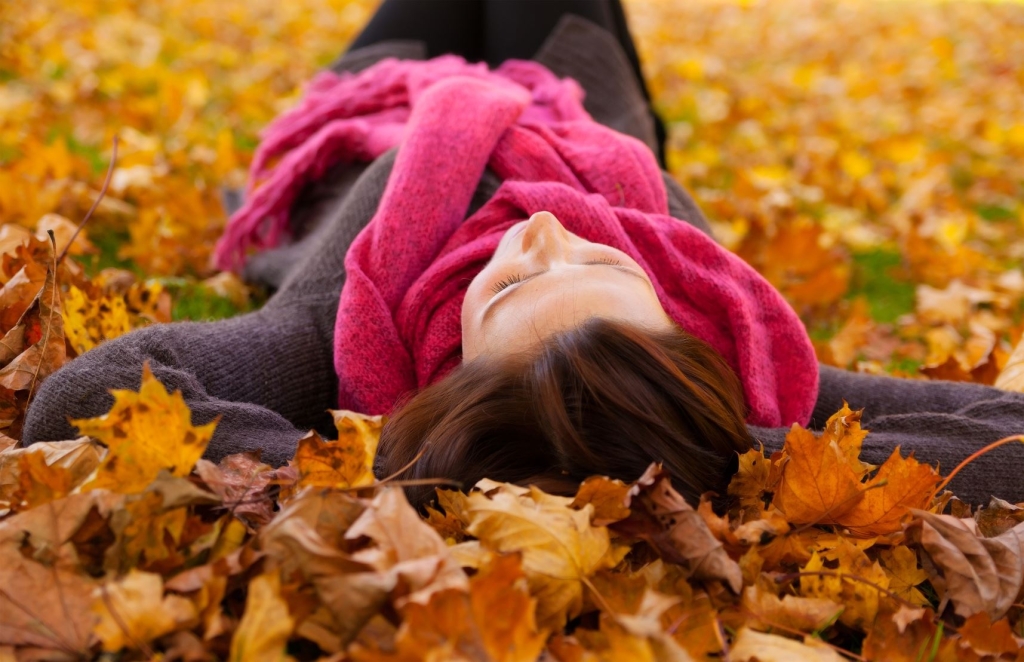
(974, 456)
(103, 192)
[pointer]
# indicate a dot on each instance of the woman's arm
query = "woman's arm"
(268, 375)
(940, 422)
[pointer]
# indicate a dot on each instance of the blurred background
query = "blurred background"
(866, 157)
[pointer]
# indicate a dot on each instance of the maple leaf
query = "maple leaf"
(242, 482)
(133, 611)
(44, 606)
(266, 623)
(978, 575)
(900, 563)
(818, 484)
(750, 481)
(560, 547)
(900, 485)
(909, 635)
(609, 498)
(855, 582)
(54, 468)
(345, 463)
(146, 432)
(44, 328)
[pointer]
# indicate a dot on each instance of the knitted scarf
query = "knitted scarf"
(398, 326)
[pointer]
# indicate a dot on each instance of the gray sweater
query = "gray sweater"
(269, 374)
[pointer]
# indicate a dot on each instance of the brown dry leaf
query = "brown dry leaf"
(406, 548)
(997, 517)
(978, 575)
(608, 496)
(988, 640)
(266, 623)
(44, 329)
(39, 483)
(900, 564)
(900, 485)
(679, 533)
(133, 611)
(242, 482)
(753, 646)
(766, 611)
(146, 432)
(345, 463)
(494, 621)
(561, 549)
(818, 484)
(640, 635)
(44, 606)
(909, 635)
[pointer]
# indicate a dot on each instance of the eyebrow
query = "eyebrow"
(517, 286)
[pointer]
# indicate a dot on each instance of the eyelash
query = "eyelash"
(511, 280)
(518, 278)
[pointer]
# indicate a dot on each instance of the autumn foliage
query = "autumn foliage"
(875, 179)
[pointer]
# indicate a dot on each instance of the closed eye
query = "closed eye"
(511, 280)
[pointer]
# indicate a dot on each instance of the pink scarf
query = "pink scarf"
(398, 326)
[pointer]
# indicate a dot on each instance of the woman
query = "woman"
(534, 300)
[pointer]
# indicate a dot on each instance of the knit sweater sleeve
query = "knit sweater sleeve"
(940, 422)
(267, 375)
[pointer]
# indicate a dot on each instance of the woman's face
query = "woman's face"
(543, 279)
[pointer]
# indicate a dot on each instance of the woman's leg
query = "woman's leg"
(518, 28)
(445, 26)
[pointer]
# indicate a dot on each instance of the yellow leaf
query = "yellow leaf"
(266, 624)
(900, 564)
(145, 431)
(751, 645)
(347, 462)
(560, 547)
(133, 611)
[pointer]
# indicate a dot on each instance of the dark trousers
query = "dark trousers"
(493, 31)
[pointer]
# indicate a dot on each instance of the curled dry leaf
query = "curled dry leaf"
(242, 482)
(493, 621)
(978, 575)
(661, 516)
(145, 432)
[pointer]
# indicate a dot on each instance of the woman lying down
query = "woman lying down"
(468, 230)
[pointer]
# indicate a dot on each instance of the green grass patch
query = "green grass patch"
(874, 278)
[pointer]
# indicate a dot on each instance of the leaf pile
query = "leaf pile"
(125, 541)
(866, 157)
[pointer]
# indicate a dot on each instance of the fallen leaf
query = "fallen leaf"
(900, 485)
(751, 645)
(679, 533)
(790, 612)
(242, 482)
(818, 484)
(978, 575)
(607, 496)
(900, 564)
(345, 463)
(560, 547)
(266, 624)
(133, 611)
(146, 432)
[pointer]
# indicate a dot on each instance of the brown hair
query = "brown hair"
(606, 398)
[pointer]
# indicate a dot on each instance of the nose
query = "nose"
(545, 237)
